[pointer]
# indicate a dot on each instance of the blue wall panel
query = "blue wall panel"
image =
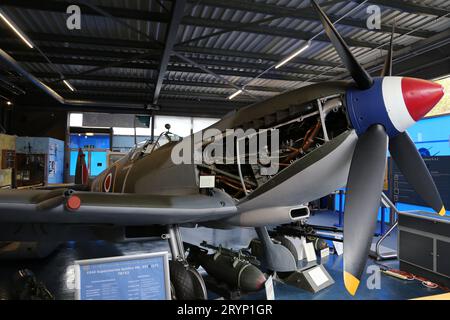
(73, 162)
(98, 162)
(56, 161)
(87, 142)
(432, 134)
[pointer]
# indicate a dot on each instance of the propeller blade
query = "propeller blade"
(358, 73)
(364, 187)
(387, 69)
(411, 164)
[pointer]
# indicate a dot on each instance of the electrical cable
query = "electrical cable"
(403, 275)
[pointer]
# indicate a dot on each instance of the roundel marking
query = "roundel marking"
(107, 182)
(74, 203)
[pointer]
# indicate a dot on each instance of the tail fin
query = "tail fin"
(81, 171)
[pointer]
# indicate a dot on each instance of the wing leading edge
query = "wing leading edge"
(77, 207)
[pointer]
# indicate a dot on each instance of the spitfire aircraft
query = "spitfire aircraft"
(331, 135)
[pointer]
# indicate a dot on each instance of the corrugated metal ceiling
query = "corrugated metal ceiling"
(236, 56)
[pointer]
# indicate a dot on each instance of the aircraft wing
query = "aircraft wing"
(65, 206)
(78, 187)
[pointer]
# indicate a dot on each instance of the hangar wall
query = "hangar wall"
(25, 122)
(433, 135)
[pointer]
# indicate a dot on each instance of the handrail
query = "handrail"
(388, 204)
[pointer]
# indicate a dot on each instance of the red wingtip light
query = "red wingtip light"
(420, 96)
(73, 203)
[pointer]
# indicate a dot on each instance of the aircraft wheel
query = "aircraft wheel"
(172, 291)
(199, 283)
(186, 282)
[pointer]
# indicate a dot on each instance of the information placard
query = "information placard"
(270, 292)
(134, 277)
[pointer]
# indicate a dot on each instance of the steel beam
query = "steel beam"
(85, 62)
(61, 6)
(150, 55)
(220, 86)
(141, 94)
(104, 78)
(168, 106)
(92, 52)
(154, 65)
(252, 55)
(171, 34)
(246, 74)
(5, 40)
(249, 65)
(47, 106)
(104, 89)
(66, 40)
(141, 81)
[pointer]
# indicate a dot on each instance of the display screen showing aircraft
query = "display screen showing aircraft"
(258, 166)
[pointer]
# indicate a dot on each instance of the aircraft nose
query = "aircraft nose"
(420, 96)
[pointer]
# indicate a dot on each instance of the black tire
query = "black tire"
(199, 284)
(172, 291)
(185, 282)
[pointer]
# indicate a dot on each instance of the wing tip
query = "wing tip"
(351, 283)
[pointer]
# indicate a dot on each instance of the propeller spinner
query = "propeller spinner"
(380, 110)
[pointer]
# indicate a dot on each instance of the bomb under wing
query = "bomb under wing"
(229, 267)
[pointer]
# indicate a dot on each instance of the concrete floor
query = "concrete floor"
(52, 270)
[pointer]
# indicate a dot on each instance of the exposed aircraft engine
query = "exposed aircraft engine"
(302, 129)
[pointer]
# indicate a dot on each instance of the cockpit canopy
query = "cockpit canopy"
(148, 146)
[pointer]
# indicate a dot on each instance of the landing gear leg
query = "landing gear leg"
(186, 282)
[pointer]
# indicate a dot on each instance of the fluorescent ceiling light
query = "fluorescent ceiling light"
(16, 30)
(68, 85)
(292, 56)
(89, 134)
(235, 94)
